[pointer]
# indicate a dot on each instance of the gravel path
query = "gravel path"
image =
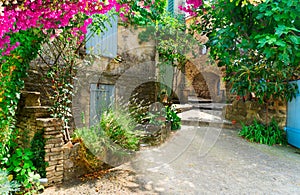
(199, 160)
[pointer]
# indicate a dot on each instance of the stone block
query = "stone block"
(56, 142)
(49, 146)
(68, 164)
(60, 168)
(56, 158)
(56, 149)
(59, 144)
(59, 174)
(47, 158)
(55, 132)
(56, 153)
(54, 136)
(53, 163)
(50, 168)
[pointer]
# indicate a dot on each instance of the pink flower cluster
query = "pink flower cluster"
(191, 6)
(48, 14)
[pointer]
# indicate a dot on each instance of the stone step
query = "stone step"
(194, 99)
(32, 98)
(202, 123)
(196, 117)
(37, 111)
(209, 106)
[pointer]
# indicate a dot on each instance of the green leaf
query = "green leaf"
(281, 29)
(280, 43)
(295, 39)
(17, 169)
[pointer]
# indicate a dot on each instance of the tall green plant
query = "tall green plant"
(118, 127)
(264, 134)
(38, 143)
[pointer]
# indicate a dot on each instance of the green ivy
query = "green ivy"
(12, 71)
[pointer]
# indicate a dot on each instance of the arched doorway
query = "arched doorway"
(206, 85)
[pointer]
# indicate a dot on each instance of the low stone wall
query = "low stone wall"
(54, 153)
(153, 134)
(247, 111)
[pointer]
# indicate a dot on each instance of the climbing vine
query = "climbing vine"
(12, 71)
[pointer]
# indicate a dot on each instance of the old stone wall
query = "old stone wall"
(205, 80)
(54, 153)
(247, 111)
(29, 109)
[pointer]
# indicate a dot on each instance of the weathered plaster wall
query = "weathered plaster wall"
(135, 67)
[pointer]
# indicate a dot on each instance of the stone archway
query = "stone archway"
(205, 81)
(152, 91)
(207, 85)
(200, 86)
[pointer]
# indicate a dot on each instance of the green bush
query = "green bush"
(93, 138)
(171, 116)
(20, 165)
(114, 130)
(37, 147)
(119, 126)
(264, 134)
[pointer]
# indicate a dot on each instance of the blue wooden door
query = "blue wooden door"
(101, 99)
(293, 120)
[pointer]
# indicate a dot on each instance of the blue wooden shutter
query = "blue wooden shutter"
(101, 99)
(170, 7)
(105, 44)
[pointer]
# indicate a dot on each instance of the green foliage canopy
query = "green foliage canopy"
(257, 41)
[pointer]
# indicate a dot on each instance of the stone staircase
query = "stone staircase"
(204, 112)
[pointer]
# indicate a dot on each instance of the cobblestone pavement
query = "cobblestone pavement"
(201, 160)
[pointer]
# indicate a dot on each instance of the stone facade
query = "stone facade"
(134, 67)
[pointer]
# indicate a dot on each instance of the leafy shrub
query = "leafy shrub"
(93, 138)
(6, 184)
(264, 134)
(171, 116)
(118, 127)
(20, 165)
(137, 109)
(37, 147)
